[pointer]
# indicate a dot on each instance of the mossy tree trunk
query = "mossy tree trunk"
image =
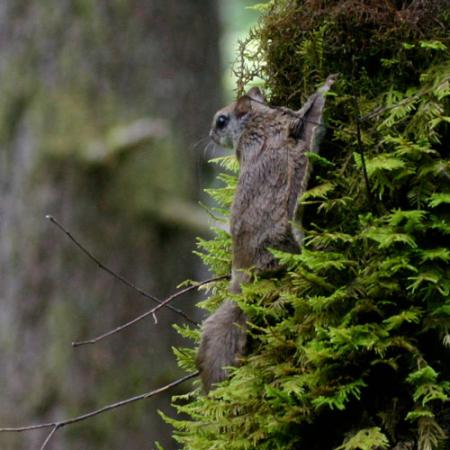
(350, 348)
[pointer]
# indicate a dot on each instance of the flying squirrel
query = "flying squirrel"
(271, 145)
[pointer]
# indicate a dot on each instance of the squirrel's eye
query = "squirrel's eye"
(222, 121)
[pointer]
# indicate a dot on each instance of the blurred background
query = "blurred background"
(105, 108)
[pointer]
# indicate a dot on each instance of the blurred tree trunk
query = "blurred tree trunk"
(72, 74)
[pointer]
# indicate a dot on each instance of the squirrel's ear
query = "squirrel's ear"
(256, 94)
(243, 105)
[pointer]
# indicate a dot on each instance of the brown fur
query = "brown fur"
(270, 144)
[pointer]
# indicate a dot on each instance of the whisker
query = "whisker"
(199, 143)
(211, 145)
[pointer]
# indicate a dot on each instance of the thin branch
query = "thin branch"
(381, 110)
(370, 115)
(112, 273)
(62, 423)
(363, 159)
(361, 146)
(50, 435)
(147, 313)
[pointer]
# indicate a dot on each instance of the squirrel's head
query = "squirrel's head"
(228, 122)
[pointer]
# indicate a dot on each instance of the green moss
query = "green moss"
(304, 40)
(350, 348)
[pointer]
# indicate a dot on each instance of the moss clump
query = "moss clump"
(351, 346)
(302, 41)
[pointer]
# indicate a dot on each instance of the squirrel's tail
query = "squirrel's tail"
(222, 344)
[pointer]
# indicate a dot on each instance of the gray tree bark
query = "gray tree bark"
(71, 75)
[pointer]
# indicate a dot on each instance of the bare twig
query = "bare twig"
(49, 436)
(148, 313)
(363, 159)
(112, 273)
(361, 145)
(62, 423)
(381, 110)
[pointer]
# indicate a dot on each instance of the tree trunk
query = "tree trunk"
(72, 75)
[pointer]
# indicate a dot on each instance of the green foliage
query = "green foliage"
(350, 346)
(367, 439)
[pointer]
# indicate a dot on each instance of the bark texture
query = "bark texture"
(73, 74)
